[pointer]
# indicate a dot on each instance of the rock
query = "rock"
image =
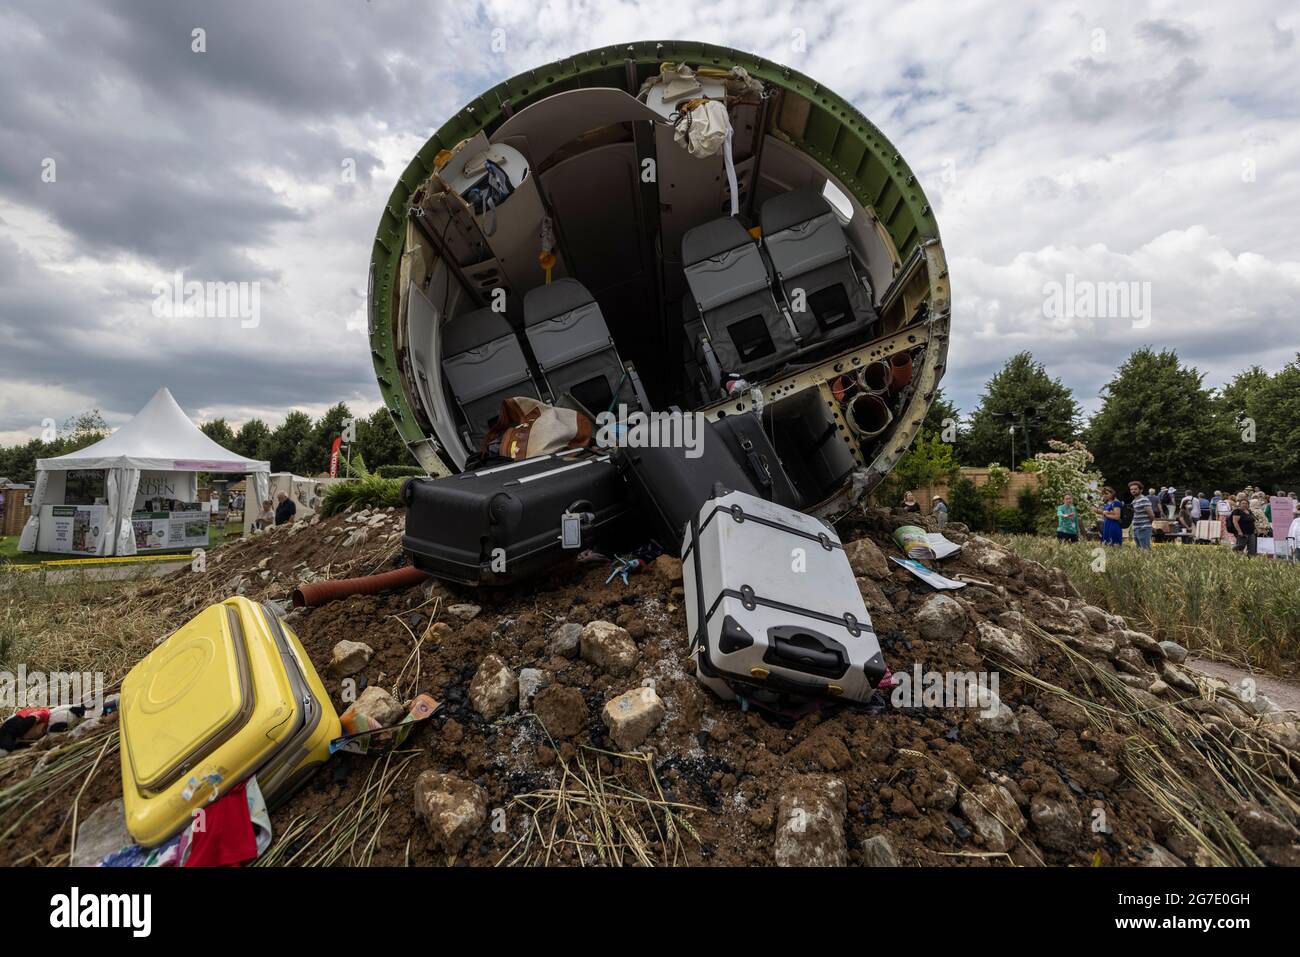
(867, 560)
(1002, 644)
(531, 681)
(349, 657)
(1261, 827)
(564, 642)
(992, 811)
(1034, 725)
(1280, 855)
(1142, 642)
(632, 716)
(438, 632)
(1157, 687)
(1097, 619)
(667, 569)
(1159, 856)
(376, 704)
(495, 689)
(810, 823)
(878, 852)
(452, 808)
(1178, 678)
(1092, 646)
(1056, 822)
(562, 711)
(1130, 661)
(1174, 651)
(996, 716)
(941, 618)
(463, 612)
(990, 557)
(101, 834)
(609, 647)
(873, 596)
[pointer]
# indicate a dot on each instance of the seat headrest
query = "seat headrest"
(713, 238)
(791, 209)
(554, 299)
(473, 329)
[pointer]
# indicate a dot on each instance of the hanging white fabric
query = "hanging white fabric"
(27, 540)
(705, 130)
(124, 483)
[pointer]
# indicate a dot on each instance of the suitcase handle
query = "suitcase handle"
(808, 650)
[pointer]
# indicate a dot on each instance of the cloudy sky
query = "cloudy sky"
(1104, 141)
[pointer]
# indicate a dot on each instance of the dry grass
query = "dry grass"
(1243, 766)
(592, 817)
(1207, 598)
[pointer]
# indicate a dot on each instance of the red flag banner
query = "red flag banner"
(334, 457)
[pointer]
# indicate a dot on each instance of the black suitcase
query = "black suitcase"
(749, 445)
(507, 522)
(670, 487)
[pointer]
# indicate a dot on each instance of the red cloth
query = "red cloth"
(225, 836)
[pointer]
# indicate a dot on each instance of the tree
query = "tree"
(251, 438)
(219, 431)
(1256, 429)
(1067, 469)
(282, 445)
(378, 442)
(1020, 386)
(1155, 423)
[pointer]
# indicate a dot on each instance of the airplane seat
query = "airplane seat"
(731, 293)
(484, 364)
(814, 266)
(574, 349)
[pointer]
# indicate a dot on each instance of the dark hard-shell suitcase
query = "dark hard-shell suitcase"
(743, 435)
(671, 486)
(507, 522)
(772, 606)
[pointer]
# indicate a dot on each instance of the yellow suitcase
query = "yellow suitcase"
(228, 695)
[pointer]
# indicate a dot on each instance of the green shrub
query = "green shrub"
(399, 471)
(1015, 521)
(967, 505)
(372, 491)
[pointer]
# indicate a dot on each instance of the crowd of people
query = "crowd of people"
(1244, 516)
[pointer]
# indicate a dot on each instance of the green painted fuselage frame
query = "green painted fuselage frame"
(835, 134)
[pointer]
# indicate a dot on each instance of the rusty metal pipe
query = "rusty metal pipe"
(322, 593)
(875, 377)
(867, 415)
(900, 367)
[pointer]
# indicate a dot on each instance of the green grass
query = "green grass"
(1207, 598)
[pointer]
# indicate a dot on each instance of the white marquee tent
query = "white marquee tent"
(159, 452)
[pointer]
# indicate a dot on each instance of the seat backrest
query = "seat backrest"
(563, 323)
(481, 355)
(722, 263)
(801, 232)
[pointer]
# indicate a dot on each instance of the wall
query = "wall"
(1016, 483)
(15, 513)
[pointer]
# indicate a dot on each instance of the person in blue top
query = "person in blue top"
(1112, 532)
(1067, 520)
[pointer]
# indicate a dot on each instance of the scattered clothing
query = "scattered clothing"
(222, 833)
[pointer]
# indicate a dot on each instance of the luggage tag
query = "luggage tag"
(359, 743)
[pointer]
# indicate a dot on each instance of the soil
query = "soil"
(903, 767)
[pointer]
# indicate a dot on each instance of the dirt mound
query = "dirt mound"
(1095, 747)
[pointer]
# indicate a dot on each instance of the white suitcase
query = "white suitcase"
(772, 605)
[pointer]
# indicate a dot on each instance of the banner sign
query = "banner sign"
(334, 457)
